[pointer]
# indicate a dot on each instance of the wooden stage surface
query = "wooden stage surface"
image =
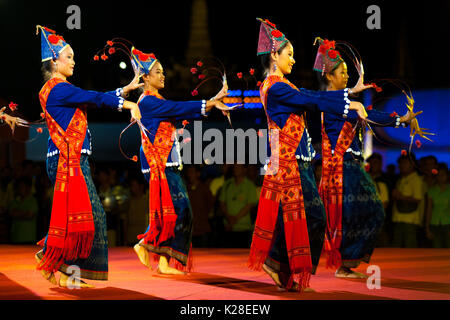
(221, 274)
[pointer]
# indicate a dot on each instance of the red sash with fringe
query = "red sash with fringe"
(162, 217)
(282, 183)
(331, 190)
(72, 228)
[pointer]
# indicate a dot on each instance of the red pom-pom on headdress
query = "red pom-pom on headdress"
(53, 39)
(332, 54)
(276, 33)
(136, 52)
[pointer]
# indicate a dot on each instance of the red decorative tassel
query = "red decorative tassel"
(333, 259)
(256, 259)
(302, 280)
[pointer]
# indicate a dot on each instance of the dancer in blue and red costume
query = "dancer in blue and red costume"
(168, 237)
(291, 220)
(355, 213)
(77, 233)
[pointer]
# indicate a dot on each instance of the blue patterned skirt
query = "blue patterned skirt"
(315, 218)
(362, 215)
(95, 267)
(178, 246)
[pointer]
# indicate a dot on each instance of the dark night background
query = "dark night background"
(412, 44)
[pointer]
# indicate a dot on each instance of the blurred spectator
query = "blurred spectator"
(23, 211)
(427, 164)
(202, 202)
(138, 213)
(115, 200)
(237, 197)
(391, 176)
(437, 222)
(217, 224)
(254, 175)
(218, 182)
(408, 208)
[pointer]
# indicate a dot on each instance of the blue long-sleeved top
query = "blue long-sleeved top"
(282, 100)
(65, 98)
(333, 126)
(155, 110)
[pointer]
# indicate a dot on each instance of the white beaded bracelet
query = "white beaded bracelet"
(203, 107)
(120, 107)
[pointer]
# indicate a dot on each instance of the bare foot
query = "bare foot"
(66, 282)
(49, 276)
(142, 254)
(163, 267)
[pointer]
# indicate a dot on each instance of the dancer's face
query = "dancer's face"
(285, 59)
(65, 63)
(156, 76)
(338, 78)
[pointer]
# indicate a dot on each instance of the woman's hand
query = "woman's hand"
(360, 86)
(408, 117)
(359, 107)
(218, 105)
(134, 109)
(222, 93)
(133, 85)
(11, 121)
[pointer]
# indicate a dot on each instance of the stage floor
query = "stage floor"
(221, 274)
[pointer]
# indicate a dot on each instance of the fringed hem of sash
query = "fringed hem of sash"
(167, 232)
(333, 259)
(256, 259)
(52, 259)
(81, 245)
(300, 279)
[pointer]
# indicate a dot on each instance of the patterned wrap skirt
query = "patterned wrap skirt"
(95, 267)
(362, 215)
(178, 246)
(315, 218)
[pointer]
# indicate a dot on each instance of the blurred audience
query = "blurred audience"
(224, 202)
(202, 203)
(136, 220)
(237, 197)
(23, 211)
(437, 222)
(409, 199)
